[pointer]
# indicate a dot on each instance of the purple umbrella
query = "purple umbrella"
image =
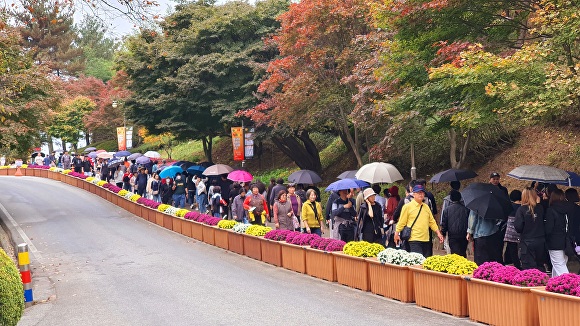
(142, 160)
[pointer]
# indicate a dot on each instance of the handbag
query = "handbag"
(406, 232)
(295, 222)
(570, 244)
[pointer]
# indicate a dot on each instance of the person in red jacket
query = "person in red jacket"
(256, 205)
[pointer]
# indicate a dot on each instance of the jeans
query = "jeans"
(202, 202)
(316, 231)
(179, 200)
(157, 198)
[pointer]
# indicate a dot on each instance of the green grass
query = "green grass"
(276, 173)
(333, 151)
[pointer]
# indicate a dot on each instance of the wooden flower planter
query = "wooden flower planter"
(221, 238)
(320, 264)
(158, 216)
(271, 252)
(43, 173)
(253, 246)
(167, 220)
(293, 257)
(440, 291)
(236, 242)
(186, 228)
(391, 281)
(557, 309)
(197, 230)
(177, 224)
(352, 271)
(501, 304)
(208, 233)
(3, 171)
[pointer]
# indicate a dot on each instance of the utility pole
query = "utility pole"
(413, 168)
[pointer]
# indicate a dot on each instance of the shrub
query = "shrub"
(11, 292)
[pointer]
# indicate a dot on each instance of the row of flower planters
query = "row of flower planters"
(484, 301)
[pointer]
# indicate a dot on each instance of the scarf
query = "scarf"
(370, 209)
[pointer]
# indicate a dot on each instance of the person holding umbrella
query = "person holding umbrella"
(370, 218)
(343, 216)
(454, 223)
(529, 222)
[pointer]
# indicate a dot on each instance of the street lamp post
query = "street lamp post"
(115, 105)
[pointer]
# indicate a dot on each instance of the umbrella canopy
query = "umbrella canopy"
(378, 172)
(196, 169)
(35, 154)
(218, 169)
(351, 174)
(152, 154)
(122, 153)
(240, 175)
(543, 173)
(104, 155)
(487, 200)
(305, 177)
(573, 181)
(134, 156)
(346, 184)
(453, 175)
(170, 171)
(101, 151)
(186, 165)
(90, 149)
(92, 155)
(142, 160)
(115, 163)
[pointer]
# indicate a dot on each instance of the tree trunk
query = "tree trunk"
(352, 143)
(207, 142)
(50, 144)
(300, 149)
(88, 137)
(455, 163)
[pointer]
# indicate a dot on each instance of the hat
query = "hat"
(368, 192)
(418, 188)
(494, 175)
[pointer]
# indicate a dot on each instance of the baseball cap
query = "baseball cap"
(418, 188)
(494, 175)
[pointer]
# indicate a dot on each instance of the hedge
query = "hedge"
(11, 292)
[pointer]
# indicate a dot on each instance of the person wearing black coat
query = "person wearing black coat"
(370, 218)
(529, 223)
(166, 191)
(454, 224)
(559, 226)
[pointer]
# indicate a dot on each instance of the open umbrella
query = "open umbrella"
(134, 156)
(122, 153)
(379, 172)
(115, 163)
(142, 160)
(345, 184)
(350, 174)
(573, 181)
(453, 175)
(152, 154)
(305, 177)
(196, 169)
(240, 175)
(487, 200)
(90, 149)
(186, 165)
(101, 151)
(104, 155)
(92, 155)
(35, 154)
(170, 171)
(542, 173)
(218, 169)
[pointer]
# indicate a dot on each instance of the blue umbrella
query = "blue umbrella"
(92, 155)
(170, 171)
(122, 154)
(142, 160)
(573, 181)
(196, 169)
(345, 184)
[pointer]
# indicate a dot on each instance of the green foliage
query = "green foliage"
(331, 152)
(276, 173)
(11, 292)
(67, 123)
(98, 49)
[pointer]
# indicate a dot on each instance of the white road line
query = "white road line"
(31, 246)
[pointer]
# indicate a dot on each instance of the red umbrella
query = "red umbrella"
(240, 176)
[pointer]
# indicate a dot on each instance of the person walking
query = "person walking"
(156, 187)
(418, 216)
(201, 194)
(512, 237)
(370, 218)
(294, 200)
(238, 211)
(283, 214)
(179, 191)
(529, 222)
(343, 217)
(166, 190)
(559, 228)
(454, 221)
(311, 215)
(256, 205)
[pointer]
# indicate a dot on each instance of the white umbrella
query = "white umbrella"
(152, 154)
(105, 155)
(378, 172)
(218, 169)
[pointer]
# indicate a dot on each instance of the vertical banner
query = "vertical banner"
(237, 142)
(249, 144)
(121, 139)
(129, 138)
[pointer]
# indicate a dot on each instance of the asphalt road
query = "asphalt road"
(96, 264)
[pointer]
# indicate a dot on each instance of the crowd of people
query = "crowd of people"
(538, 233)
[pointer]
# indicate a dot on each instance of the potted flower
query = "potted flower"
(559, 302)
(390, 276)
(501, 295)
(351, 267)
(442, 277)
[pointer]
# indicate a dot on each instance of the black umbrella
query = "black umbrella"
(35, 154)
(305, 177)
(347, 175)
(487, 200)
(453, 175)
